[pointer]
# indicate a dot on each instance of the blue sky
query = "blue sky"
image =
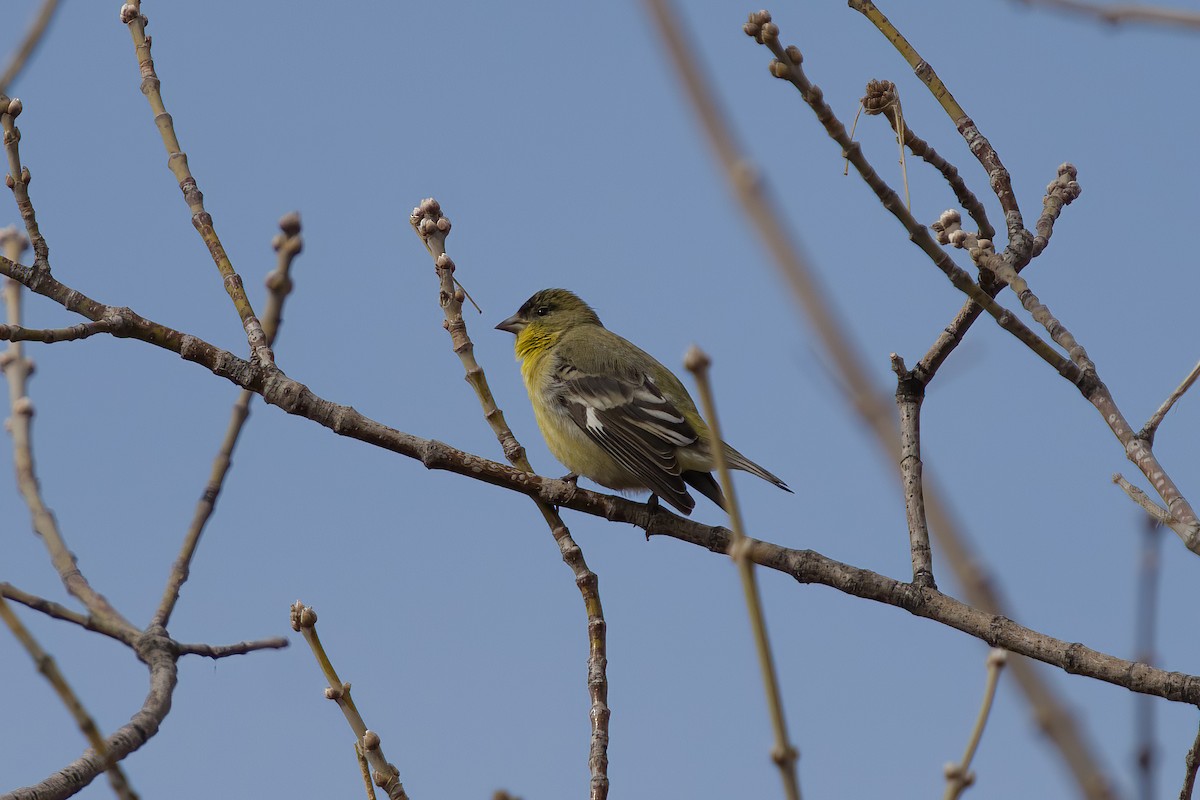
(558, 142)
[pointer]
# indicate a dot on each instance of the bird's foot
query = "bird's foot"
(571, 478)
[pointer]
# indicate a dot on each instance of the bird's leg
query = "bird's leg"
(571, 478)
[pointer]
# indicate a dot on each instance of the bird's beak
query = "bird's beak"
(513, 324)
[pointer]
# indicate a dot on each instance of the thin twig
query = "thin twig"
(131, 16)
(1151, 427)
(288, 245)
(215, 651)
(387, 777)
(49, 670)
(1121, 13)
(1190, 763)
(33, 37)
(881, 99)
(787, 66)
(784, 753)
(433, 227)
(959, 776)
(17, 369)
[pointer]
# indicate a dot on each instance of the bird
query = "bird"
(611, 412)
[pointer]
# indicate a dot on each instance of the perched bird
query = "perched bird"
(609, 411)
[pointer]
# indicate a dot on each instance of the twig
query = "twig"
(17, 369)
(959, 776)
(215, 651)
(881, 99)
(288, 245)
(49, 670)
(787, 66)
(910, 394)
(1191, 762)
(54, 610)
(784, 754)
(131, 16)
(387, 777)
(18, 179)
(998, 178)
(433, 228)
(1120, 13)
(33, 37)
(1151, 427)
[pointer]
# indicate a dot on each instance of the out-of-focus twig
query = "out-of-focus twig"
(1149, 577)
(784, 753)
(980, 589)
(1123, 13)
(33, 37)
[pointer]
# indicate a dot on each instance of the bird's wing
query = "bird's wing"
(635, 424)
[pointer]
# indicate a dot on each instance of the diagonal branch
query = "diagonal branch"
(33, 37)
(131, 15)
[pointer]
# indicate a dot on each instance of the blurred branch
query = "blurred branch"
(1149, 577)
(433, 227)
(784, 753)
(1051, 714)
(387, 777)
(49, 669)
(131, 16)
(1122, 13)
(33, 37)
(288, 245)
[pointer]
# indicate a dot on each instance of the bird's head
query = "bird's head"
(549, 313)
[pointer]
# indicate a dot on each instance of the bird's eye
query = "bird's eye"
(542, 311)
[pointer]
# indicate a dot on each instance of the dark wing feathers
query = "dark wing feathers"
(638, 427)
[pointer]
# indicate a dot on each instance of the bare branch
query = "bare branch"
(33, 37)
(288, 245)
(959, 776)
(784, 753)
(49, 670)
(131, 15)
(433, 228)
(387, 777)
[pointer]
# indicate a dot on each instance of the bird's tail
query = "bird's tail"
(739, 461)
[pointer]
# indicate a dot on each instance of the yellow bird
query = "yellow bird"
(609, 411)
